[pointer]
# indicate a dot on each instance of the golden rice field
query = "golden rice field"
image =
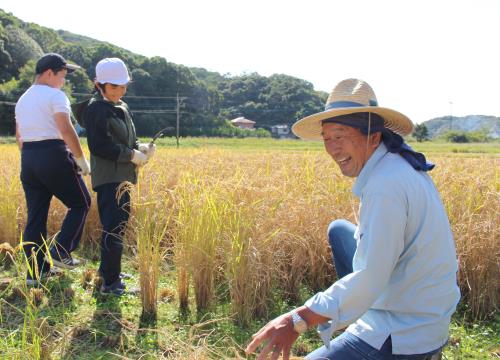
(257, 220)
(254, 223)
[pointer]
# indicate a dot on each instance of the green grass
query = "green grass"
(85, 325)
(446, 148)
(474, 341)
(81, 324)
(270, 144)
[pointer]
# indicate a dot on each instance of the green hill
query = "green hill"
(211, 98)
(81, 40)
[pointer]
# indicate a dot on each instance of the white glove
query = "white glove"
(138, 158)
(83, 164)
(148, 149)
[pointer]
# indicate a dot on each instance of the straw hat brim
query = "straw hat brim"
(310, 127)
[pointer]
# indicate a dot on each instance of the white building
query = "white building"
(281, 131)
(243, 123)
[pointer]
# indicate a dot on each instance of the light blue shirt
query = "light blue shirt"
(404, 280)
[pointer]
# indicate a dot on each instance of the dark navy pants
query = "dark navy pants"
(48, 169)
(114, 214)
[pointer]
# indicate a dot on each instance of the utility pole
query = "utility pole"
(451, 115)
(177, 108)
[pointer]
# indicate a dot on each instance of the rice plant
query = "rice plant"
(200, 221)
(262, 216)
(32, 339)
(472, 200)
(149, 224)
(11, 199)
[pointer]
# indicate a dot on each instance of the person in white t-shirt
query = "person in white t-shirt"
(52, 162)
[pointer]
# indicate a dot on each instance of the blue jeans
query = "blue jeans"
(347, 346)
(343, 244)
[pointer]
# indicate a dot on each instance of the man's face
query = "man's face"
(348, 147)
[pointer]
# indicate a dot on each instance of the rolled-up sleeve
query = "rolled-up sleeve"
(380, 244)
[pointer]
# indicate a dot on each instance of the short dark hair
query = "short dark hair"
(55, 71)
(100, 87)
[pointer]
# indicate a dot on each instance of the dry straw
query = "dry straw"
(149, 224)
(254, 223)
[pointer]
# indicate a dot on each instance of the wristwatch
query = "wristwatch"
(299, 324)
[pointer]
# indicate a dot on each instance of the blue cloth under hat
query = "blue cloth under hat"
(396, 144)
(373, 123)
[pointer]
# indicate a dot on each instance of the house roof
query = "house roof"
(242, 120)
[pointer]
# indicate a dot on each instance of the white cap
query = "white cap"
(112, 71)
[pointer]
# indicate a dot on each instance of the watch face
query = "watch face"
(299, 324)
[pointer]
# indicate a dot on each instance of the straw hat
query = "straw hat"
(351, 96)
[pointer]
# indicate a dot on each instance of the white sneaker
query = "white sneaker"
(53, 272)
(63, 261)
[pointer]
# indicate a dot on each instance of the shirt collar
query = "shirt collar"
(367, 169)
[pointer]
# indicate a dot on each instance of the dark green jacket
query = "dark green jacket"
(111, 139)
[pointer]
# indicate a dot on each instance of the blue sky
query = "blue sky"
(424, 58)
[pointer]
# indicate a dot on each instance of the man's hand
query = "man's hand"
(280, 335)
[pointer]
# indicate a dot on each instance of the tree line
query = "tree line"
(211, 99)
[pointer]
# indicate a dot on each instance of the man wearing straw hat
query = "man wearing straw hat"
(397, 268)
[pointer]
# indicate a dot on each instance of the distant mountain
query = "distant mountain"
(440, 125)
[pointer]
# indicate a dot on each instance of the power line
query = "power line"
(140, 97)
(158, 112)
(154, 97)
(178, 99)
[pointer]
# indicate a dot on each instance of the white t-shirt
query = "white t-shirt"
(35, 111)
